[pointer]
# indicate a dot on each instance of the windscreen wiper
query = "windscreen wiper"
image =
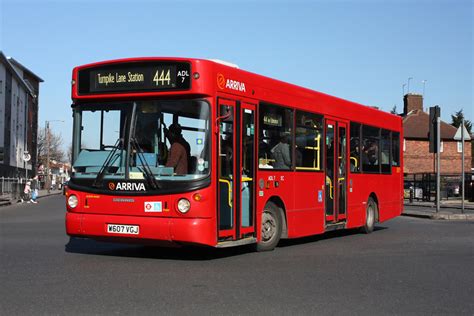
(108, 161)
(152, 182)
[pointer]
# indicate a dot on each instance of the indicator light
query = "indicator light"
(197, 197)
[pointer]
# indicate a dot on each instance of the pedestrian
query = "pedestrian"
(34, 190)
(26, 192)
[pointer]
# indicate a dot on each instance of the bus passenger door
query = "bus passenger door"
(236, 170)
(225, 165)
(336, 171)
(247, 170)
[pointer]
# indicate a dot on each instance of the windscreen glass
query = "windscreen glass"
(166, 140)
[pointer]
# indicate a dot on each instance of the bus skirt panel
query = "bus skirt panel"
(136, 229)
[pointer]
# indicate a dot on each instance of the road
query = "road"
(407, 266)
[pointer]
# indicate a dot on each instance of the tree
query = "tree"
(69, 154)
(457, 118)
(394, 110)
(55, 143)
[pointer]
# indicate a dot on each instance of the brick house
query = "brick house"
(416, 155)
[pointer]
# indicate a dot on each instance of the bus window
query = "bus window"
(276, 138)
(355, 147)
(395, 149)
(385, 151)
(309, 135)
(370, 149)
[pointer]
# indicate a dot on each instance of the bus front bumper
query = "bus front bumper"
(160, 229)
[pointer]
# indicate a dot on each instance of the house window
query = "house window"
(404, 145)
(441, 147)
(459, 147)
(1, 86)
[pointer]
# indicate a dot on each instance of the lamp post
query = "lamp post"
(46, 131)
(423, 82)
(408, 90)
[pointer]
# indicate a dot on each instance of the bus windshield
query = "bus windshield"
(166, 140)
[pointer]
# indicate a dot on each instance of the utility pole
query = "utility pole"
(462, 168)
(46, 130)
(438, 158)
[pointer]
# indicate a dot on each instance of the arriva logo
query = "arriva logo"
(229, 84)
(127, 186)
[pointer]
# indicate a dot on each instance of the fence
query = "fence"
(422, 187)
(11, 188)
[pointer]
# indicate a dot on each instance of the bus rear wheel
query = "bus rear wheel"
(371, 211)
(271, 228)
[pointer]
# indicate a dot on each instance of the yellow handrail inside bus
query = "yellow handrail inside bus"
(230, 190)
(330, 187)
(356, 163)
(246, 179)
(317, 156)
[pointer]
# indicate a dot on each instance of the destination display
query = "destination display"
(135, 77)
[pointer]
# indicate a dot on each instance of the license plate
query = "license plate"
(123, 229)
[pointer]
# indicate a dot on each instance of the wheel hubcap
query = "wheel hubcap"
(268, 227)
(370, 215)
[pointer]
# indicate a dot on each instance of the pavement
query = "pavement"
(8, 200)
(449, 210)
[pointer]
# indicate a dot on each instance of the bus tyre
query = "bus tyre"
(271, 228)
(371, 211)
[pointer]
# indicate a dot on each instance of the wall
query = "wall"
(417, 159)
(2, 103)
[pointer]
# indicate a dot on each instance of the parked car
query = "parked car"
(453, 189)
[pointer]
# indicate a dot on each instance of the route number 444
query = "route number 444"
(161, 77)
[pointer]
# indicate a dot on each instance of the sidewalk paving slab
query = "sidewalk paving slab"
(447, 212)
(8, 200)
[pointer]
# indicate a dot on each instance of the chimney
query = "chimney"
(412, 102)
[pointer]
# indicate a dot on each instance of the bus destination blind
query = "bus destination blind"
(134, 77)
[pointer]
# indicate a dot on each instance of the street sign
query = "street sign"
(435, 112)
(460, 130)
(26, 156)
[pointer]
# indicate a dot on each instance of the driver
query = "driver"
(178, 154)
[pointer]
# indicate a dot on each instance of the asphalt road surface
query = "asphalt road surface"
(407, 266)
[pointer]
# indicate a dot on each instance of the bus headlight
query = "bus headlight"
(72, 201)
(184, 205)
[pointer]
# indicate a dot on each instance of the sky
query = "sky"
(363, 51)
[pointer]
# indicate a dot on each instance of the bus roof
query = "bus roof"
(218, 77)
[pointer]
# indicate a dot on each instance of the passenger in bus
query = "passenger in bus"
(281, 154)
(179, 153)
(355, 153)
(370, 153)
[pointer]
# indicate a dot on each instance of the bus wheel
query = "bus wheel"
(271, 228)
(371, 211)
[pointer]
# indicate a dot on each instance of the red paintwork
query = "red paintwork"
(297, 191)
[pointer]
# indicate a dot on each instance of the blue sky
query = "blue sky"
(358, 50)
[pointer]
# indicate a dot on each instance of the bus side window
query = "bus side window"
(276, 137)
(355, 147)
(370, 149)
(385, 151)
(309, 137)
(395, 149)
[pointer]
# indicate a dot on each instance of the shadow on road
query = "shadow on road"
(187, 253)
(328, 235)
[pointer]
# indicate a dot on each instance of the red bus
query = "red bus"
(194, 151)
